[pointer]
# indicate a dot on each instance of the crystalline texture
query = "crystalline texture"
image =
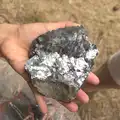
(60, 60)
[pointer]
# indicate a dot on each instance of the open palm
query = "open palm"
(15, 47)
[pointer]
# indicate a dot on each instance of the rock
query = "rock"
(58, 112)
(21, 109)
(60, 61)
(11, 83)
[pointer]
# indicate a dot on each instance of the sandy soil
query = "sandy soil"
(101, 18)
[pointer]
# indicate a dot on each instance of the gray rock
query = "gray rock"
(60, 61)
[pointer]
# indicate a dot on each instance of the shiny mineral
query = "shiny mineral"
(60, 61)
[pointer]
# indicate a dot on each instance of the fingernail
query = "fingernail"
(97, 81)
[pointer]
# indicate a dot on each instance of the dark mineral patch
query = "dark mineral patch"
(116, 7)
(60, 60)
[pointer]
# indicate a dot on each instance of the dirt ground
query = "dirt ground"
(100, 17)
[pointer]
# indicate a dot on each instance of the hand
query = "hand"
(15, 46)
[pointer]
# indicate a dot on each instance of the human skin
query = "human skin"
(106, 80)
(15, 41)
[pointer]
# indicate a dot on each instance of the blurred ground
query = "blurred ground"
(101, 18)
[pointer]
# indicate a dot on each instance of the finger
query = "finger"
(93, 79)
(41, 28)
(82, 96)
(41, 102)
(73, 107)
(54, 26)
(31, 31)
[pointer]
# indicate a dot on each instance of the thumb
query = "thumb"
(28, 32)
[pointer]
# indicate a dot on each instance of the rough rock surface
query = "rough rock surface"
(104, 26)
(60, 60)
